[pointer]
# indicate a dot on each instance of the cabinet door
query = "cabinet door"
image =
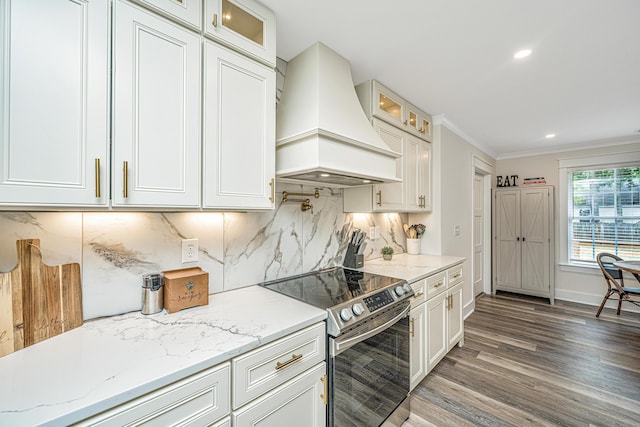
(437, 314)
(54, 75)
(417, 344)
(424, 161)
(189, 12)
(156, 126)
(390, 197)
(507, 239)
(245, 25)
(455, 322)
(239, 131)
(424, 127)
(535, 239)
(299, 402)
(388, 106)
(412, 175)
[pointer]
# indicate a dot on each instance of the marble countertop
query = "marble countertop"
(109, 361)
(411, 267)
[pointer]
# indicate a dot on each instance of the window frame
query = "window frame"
(565, 166)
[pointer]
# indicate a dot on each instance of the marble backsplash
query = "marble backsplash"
(114, 249)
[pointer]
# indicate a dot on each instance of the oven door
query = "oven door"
(369, 371)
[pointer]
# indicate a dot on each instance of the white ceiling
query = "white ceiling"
(455, 57)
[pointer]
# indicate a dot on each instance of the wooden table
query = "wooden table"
(630, 266)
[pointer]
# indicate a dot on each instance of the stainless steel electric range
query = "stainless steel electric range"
(368, 342)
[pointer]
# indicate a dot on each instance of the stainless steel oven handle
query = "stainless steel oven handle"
(339, 347)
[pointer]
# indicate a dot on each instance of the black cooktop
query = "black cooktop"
(329, 288)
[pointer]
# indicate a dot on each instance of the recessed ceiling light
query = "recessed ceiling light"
(366, 181)
(522, 53)
(550, 135)
(324, 175)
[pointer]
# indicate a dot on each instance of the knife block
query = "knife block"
(353, 259)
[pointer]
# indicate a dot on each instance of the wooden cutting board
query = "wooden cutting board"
(37, 301)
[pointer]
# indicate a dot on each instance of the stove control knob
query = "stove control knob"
(406, 287)
(357, 309)
(345, 314)
(399, 291)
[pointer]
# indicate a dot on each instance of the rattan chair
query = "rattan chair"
(615, 281)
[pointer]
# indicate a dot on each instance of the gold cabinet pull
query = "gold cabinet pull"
(323, 396)
(455, 276)
(97, 168)
(418, 294)
(438, 284)
(379, 194)
(273, 190)
(413, 324)
(294, 357)
(125, 178)
(215, 20)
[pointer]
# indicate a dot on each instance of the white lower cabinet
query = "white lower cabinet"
(298, 402)
(282, 381)
(437, 329)
(198, 400)
(418, 343)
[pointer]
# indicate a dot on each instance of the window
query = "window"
(603, 213)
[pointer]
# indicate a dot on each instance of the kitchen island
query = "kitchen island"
(109, 361)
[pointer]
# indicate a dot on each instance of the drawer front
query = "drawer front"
(436, 284)
(454, 275)
(420, 290)
(267, 367)
(196, 400)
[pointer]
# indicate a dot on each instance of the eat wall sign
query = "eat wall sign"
(507, 181)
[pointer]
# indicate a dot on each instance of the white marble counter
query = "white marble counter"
(411, 267)
(112, 360)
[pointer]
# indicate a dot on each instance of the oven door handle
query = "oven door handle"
(338, 347)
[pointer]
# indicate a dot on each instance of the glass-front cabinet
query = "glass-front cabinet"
(381, 102)
(243, 24)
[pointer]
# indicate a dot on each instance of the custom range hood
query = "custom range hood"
(322, 134)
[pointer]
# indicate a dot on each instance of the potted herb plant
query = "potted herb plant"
(387, 252)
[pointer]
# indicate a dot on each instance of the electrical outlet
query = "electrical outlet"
(372, 233)
(456, 230)
(377, 229)
(189, 250)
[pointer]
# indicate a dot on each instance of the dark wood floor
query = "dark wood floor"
(527, 363)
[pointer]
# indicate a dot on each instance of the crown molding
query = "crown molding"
(571, 147)
(441, 119)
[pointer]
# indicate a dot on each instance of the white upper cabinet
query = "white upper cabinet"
(381, 102)
(187, 12)
(239, 131)
(418, 159)
(156, 111)
(413, 194)
(54, 75)
(245, 25)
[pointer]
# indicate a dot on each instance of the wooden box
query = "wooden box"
(184, 288)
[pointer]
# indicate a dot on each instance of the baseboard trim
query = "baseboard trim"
(591, 299)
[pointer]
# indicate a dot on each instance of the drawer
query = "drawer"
(420, 289)
(200, 399)
(267, 367)
(454, 275)
(436, 284)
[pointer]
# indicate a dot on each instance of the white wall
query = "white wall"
(572, 283)
(453, 203)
